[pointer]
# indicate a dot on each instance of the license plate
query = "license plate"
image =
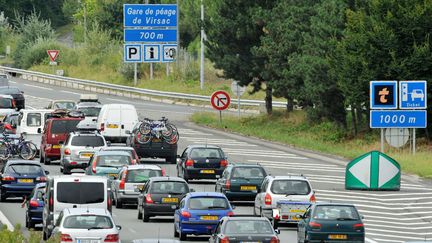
(338, 237)
(112, 126)
(56, 146)
(86, 155)
(169, 200)
(207, 171)
(25, 180)
(209, 217)
(88, 241)
(248, 188)
(297, 210)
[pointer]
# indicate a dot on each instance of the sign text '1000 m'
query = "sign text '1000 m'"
(145, 35)
(398, 119)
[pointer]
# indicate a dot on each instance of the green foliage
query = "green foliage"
(36, 53)
(16, 236)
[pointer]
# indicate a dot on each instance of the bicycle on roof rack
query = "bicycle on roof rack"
(159, 129)
(9, 148)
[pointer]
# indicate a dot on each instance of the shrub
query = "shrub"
(37, 52)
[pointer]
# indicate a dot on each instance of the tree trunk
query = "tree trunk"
(268, 100)
(290, 104)
(359, 114)
(354, 120)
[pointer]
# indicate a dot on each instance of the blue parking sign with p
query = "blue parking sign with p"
(132, 53)
(412, 95)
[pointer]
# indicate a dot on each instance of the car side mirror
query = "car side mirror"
(128, 132)
(192, 190)
(277, 231)
(362, 216)
(61, 142)
(46, 172)
(178, 160)
(178, 156)
(299, 216)
(39, 130)
(118, 227)
(14, 126)
(108, 143)
(233, 206)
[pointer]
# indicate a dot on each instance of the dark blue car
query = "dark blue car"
(199, 213)
(34, 206)
(19, 177)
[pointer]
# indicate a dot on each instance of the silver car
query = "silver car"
(78, 149)
(87, 225)
(281, 198)
(131, 179)
(90, 110)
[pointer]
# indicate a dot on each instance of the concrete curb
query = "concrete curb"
(4, 220)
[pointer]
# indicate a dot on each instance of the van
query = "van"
(73, 191)
(56, 129)
(29, 122)
(115, 119)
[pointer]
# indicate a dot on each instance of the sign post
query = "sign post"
(220, 100)
(238, 91)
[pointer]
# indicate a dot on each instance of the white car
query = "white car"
(87, 225)
(417, 94)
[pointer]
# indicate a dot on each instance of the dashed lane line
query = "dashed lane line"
(38, 87)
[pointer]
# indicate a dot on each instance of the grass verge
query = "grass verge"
(17, 236)
(292, 129)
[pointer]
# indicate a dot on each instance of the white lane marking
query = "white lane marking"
(301, 168)
(305, 165)
(368, 194)
(34, 86)
(10, 81)
(6, 221)
(132, 230)
(397, 227)
(398, 215)
(69, 92)
(264, 162)
(384, 240)
(370, 241)
(367, 200)
(394, 236)
(35, 97)
(118, 100)
(30, 107)
(392, 222)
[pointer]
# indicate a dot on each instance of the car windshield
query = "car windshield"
(122, 150)
(90, 111)
(88, 141)
(34, 119)
(68, 105)
(248, 172)
(248, 227)
(87, 222)
(113, 160)
(9, 90)
(6, 103)
(24, 169)
(206, 203)
(80, 192)
(141, 175)
(290, 187)
(169, 187)
(206, 153)
(334, 212)
(64, 126)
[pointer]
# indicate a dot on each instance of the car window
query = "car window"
(141, 175)
(169, 187)
(290, 187)
(64, 126)
(64, 105)
(81, 192)
(248, 227)
(332, 212)
(206, 203)
(88, 141)
(248, 172)
(127, 151)
(206, 153)
(264, 185)
(39, 194)
(34, 119)
(24, 169)
(87, 221)
(5, 103)
(9, 90)
(113, 160)
(90, 111)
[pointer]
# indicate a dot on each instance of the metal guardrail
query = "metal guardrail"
(115, 89)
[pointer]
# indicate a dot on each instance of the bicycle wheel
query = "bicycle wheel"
(169, 130)
(25, 151)
(33, 148)
(143, 138)
(173, 136)
(144, 129)
(4, 151)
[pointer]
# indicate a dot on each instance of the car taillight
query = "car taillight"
(224, 163)
(8, 126)
(189, 162)
(315, 225)
(274, 239)
(8, 178)
(102, 128)
(185, 214)
(13, 103)
(66, 238)
(163, 172)
(227, 184)
(358, 226)
(67, 151)
(34, 203)
(148, 198)
(41, 178)
(312, 198)
(267, 199)
(123, 180)
(231, 213)
(225, 240)
(109, 202)
(51, 203)
(94, 165)
(112, 238)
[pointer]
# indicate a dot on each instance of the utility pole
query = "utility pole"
(202, 47)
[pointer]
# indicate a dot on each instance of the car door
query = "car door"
(116, 182)
(183, 157)
(216, 233)
(301, 227)
(259, 199)
(222, 181)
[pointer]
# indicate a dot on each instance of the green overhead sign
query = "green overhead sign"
(373, 171)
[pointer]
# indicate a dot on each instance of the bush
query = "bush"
(17, 236)
(37, 52)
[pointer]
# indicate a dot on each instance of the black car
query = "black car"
(17, 95)
(19, 177)
(244, 229)
(201, 162)
(34, 206)
(161, 196)
(241, 181)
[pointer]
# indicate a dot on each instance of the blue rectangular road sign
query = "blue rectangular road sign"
(150, 36)
(398, 119)
(412, 95)
(383, 95)
(150, 15)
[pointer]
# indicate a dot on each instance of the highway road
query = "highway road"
(396, 216)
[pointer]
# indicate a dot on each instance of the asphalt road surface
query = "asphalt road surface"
(396, 216)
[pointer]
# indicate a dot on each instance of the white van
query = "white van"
(30, 123)
(115, 119)
(73, 191)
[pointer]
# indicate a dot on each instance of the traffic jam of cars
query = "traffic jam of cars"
(100, 150)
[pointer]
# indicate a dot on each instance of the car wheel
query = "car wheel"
(29, 223)
(2, 197)
(145, 216)
(41, 158)
(176, 234)
(61, 169)
(47, 161)
(182, 235)
(44, 235)
(139, 213)
(66, 171)
(118, 203)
